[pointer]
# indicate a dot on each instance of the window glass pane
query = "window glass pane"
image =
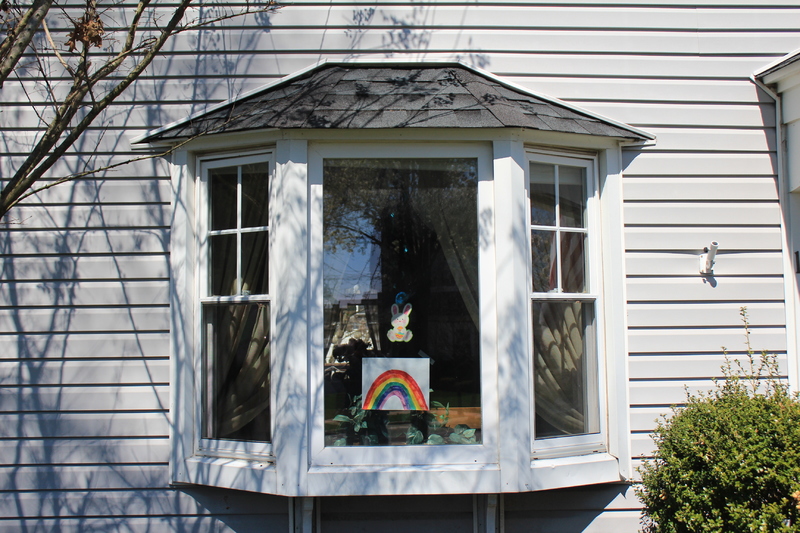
(254, 263)
(543, 194)
(572, 195)
(543, 252)
(564, 372)
(222, 196)
(255, 195)
(223, 265)
(400, 283)
(573, 262)
(237, 372)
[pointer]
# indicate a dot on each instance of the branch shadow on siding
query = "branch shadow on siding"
(84, 370)
(409, 36)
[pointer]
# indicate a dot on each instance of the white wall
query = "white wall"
(83, 317)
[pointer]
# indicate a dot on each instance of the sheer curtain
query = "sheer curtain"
(446, 217)
(242, 366)
(241, 350)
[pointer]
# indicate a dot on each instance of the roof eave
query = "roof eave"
(638, 135)
(780, 68)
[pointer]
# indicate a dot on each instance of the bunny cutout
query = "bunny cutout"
(400, 331)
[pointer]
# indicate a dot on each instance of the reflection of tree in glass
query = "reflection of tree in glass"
(359, 194)
(410, 226)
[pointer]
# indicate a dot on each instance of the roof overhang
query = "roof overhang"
(390, 95)
(780, 69)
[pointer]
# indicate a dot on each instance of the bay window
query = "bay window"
(369, 320)
(390, 280)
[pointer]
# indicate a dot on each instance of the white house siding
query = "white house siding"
(83, 297)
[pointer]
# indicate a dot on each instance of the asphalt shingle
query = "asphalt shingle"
(358, 96)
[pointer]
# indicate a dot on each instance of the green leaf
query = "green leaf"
(456, 438)
(340, 442)
(435, 439)
(342, 418)
(414, 436)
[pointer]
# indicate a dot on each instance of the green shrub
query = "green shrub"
(729, 460)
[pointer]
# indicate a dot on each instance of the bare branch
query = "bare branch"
(61, 133)
(18, 38)
(86, 173)
(55, 49)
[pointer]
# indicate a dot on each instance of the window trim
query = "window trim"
(204, 445)
(289, 471)
(484, 453)
(573, 445)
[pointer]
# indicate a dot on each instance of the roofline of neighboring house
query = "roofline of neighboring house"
(380, 62)
(772, 72)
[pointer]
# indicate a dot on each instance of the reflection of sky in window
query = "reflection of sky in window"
(352, 275)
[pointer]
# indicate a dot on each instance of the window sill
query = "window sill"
(382, 480)
(396, 480)
(574, 471)
(240, 474)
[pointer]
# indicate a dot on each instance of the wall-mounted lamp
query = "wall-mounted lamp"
(707, 259)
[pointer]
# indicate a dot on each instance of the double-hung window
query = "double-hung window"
(235, 319)
(564, 302)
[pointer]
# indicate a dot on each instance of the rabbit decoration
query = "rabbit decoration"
(400, 331)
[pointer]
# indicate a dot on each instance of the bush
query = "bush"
(729, 460)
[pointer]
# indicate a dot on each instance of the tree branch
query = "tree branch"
(79, 175)
(18, 38)
(60, 135)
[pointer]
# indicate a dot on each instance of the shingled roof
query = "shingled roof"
(358, 96)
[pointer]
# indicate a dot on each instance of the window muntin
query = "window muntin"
(563, 304)
(400, 267)
(235, 302)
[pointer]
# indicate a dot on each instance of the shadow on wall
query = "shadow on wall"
(84, 329)
(84, 316)
(409, 33)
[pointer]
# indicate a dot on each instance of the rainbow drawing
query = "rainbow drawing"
(403, 389)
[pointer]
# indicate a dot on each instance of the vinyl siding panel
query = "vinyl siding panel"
(67, 397)
(84, 341)
(146, 525)
(98, 344)
(80, 425)
(677, 237)
(85, 319)
(62, 267)
(701, 338)
(691, 313)
(676, 264)
(80, 372)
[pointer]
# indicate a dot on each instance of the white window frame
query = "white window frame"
(451, 454)
(294, 463)
(224, 447)
(560, 446)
